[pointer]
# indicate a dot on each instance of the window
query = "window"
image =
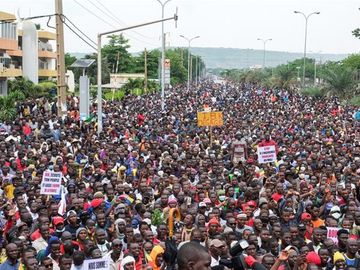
(8, 30)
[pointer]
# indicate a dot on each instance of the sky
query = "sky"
(219, 23)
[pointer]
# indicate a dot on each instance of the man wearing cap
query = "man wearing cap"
(241, 227)
(73, 224)
(58, 225)
(215, 247)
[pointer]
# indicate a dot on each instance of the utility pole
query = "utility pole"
(163, 54)
(60, 59)
(196, 70)
(315, 71)
(191, 70)
(117, 63)
(145, 71)
(188, 62)
(99, 78)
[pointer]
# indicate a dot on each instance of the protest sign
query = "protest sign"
(332, 234)
(266, 154)
(210, 119)
(51, 183)
(239, 153)
(96, 264)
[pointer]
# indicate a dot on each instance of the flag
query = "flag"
(62, 203)
(126, 199)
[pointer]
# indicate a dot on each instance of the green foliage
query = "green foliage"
(157, 217)
(355, 101)
(285, 77)
(17, 96)
(117, 95)
(313, 92)
(339, 80)
(117, 55)
(92, 70)
(178, 72)
(352, 62)
(138, 84)
(69, 60)
(8, 110)
(29, 89)
(20, 84)
(356, 32)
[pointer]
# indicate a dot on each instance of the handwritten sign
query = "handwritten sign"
(332, 234)
(239, 151)
(266, 154)
(210, 119)
(51, 183)
(96, 264)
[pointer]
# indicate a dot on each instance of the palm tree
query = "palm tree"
(8, 110)
(285, 77)
(339, 80)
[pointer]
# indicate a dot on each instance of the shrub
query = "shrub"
(118, 95)
(355, 101)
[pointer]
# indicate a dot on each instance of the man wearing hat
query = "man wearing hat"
(241, 223)
(216, 247)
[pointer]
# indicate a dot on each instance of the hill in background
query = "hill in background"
(229, 58)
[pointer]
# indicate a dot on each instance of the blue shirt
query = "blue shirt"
(8, 266)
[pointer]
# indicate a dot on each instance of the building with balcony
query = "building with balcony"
(12, 52)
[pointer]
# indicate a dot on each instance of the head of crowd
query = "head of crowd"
(274, 187)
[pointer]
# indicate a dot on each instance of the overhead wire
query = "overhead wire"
(111, 25)
(77, 28)
(94, 14)
(120, 21)
(122, 25)
(72, 30)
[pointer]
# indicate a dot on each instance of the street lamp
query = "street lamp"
(189, 43)
(306, 25)
(264, 41)
(99, 88)
(163, 55)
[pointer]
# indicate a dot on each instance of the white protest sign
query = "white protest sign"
(239, 151)
(51, 183)
(266, 154)
(96, 264)
(332, 234)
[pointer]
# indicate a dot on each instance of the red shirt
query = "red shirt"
(36, 234)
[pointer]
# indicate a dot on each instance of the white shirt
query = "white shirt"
(214, 262)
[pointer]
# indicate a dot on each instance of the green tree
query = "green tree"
(8, 110)
(352, 62)
(339, 80)
(117, 49)
(178, 72)
(69, 60)
(152, 59)
(92, 70)
(356, 33)
(285, 77)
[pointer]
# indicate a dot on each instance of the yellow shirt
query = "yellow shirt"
(9, 191)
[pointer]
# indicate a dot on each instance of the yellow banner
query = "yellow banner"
(210, 119)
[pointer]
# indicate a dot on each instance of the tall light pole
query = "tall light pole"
(264, 52)
(306, 26)
(189, 43)
(163, 55)
(99, 79)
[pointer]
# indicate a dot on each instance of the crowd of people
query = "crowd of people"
(155, 191)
